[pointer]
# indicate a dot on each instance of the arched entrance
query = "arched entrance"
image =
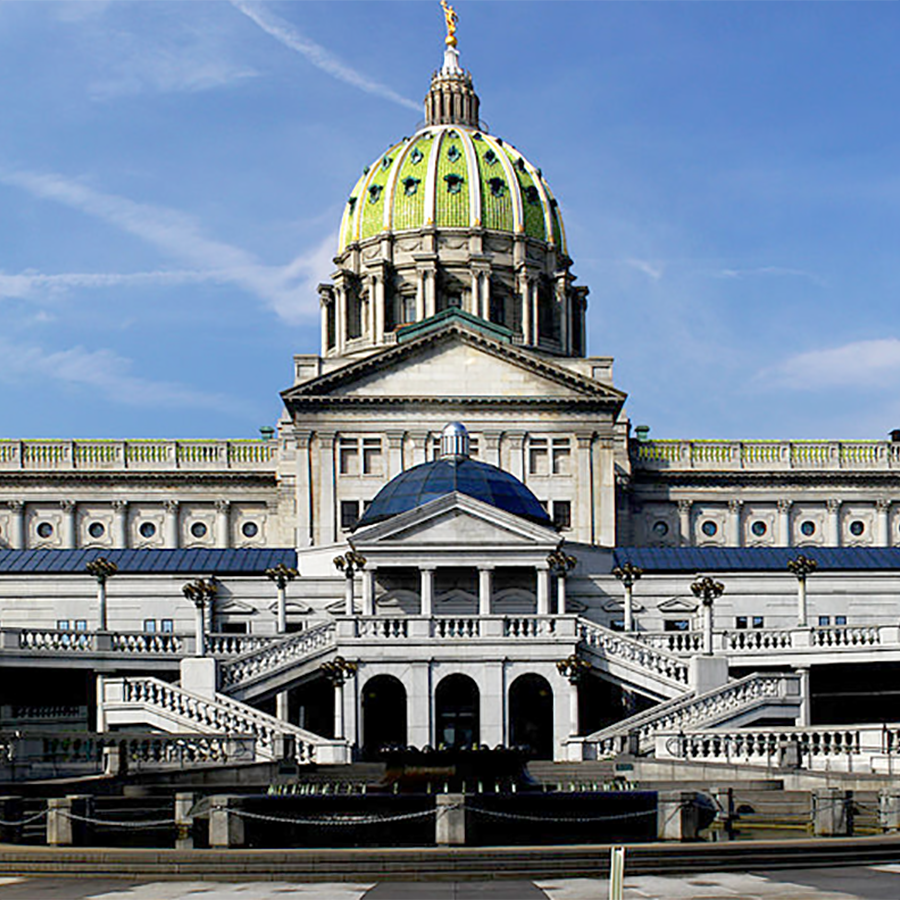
(384, 715)
(531, 715)
(457, 719)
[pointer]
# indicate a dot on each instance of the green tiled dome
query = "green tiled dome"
(450, 176)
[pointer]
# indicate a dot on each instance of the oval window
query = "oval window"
(857, 527)
(808, 528)
(198, 530)
(147, 529)
(709, 528)
(44, 530)
(96, 529)
(250, 529)
(759, 528)
(661, 528)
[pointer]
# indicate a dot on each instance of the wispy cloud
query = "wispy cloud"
(106, 373)
(653, 270)
(860, 364)
(28, 284)
(318, 55)
(288, 290)
(768, 271)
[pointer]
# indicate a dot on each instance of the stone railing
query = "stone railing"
(615, 645)
(152, 702)
(274, 656)
(52, 641)
(141, 642)
(147, 455)
(220, 644)
(690, 711)
(688, 642)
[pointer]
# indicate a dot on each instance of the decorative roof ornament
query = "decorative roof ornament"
(454, 441)
(452, 19)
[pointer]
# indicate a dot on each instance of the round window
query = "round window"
(249, 529)
(147, 529)
(96, 529)
(857, 527)
(198, 530)
(808, 528)
(44, 530)
(661, 528)
(759, 528)
(709, 528)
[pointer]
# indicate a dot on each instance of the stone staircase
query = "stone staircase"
(151, 703)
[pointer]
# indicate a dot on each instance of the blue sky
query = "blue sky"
(172, 176)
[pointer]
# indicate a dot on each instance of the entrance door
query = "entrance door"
(384, 715)
(457, 712)
(531, 715)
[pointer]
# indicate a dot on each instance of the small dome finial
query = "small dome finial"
(452, 19)
(455, 441)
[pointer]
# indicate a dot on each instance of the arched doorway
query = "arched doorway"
(457, 718)
(384, 715)
(531, 715)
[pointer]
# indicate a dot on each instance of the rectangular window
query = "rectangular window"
(562, 514)
(537, 457)
(167, 626)
(824, 621)
(740, 622)
(840, 620)
(348, 452)
(62, 624)
(150, 626)
(371, 456)
(294, 627)
(234, 628)
(349, 514)
(562, 453)
(81, 624)
(676, 625)
(473, 447)
(617, 625)
(759, 622)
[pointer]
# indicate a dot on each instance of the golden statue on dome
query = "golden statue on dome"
(452, 18)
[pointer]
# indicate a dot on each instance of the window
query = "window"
(147, 529)
(62, 624)
(349, 514)
(149, 626)
(68, 625)
(857, 527)
(617, 625)
(372, 456)
(709, 528)
(758, 528)
(562, 452)
(348, 449)
(758, 622)
(676, 625)
(840, 620)
(44, 530)
(436, 447)
(807, 528)
(562, 514)
(96, 529)
(234, 628)
(167, 626)
(294, 627)
(249, 529)
(198, 529)
(354, 462)
(740, 622)
(660, 528)
(538, 463)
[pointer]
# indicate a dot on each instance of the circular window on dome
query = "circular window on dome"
(709, 528)
(147, 529)
(249, 529)
(96, 529)
(808, 528)
(857, 527)
(759, 528)
(198, 529)
(661, 528)
(45, 530)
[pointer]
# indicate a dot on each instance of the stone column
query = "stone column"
(340, 320)
(350, 578)
(517, 454)
(395, 454)
(484, 590)
(525, 297)
(562, 300)
(17, 532)
(200, 628)
(326, 530)
(560, 594)
(428, 284)
(735, 535)
(629, 605)
(684, 521)
(784, 523)
(223, 540)
(326, 310)
(170, 525)
(804, 717)
(339, 708)
(543, 589)
(281, 610)
(883, 522)
(120, 523)
(420, 296)
(378, 299)
(420, 446)
(574, 724)
(304, 492)
(426, 591)
(583, 512)
(69, 537)
(491, 448)
(368, 597)
(833, 536)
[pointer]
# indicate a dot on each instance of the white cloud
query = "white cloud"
(29, 284)
(654, 271)
(288, 290)
(318, 55)
(771, 271)
(870, 364)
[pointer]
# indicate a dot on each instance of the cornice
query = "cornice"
(829, 479)
(123, 479)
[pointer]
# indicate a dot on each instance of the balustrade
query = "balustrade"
(467, 627)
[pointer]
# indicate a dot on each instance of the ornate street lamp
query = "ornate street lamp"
(628, 574)
(349, 563)
(707, 590)
(561, 564)
(282, 575)
(574, 669)
(102, 569)
(201, 593)
(801, 567)
(337, 671)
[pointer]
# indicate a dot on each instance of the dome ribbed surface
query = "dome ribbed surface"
(429, 481)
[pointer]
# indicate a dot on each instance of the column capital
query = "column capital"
(584, 439)
(67, 506)
(487, 567)
(15, 506)
(430, 569)
(222, 506)
(395, 439)
(735, 505)
(171, 506)
(303, 439)
(784, 506)
(119, 505)
(326, 438)
(883, 504)
(684, 506)
(833, 505)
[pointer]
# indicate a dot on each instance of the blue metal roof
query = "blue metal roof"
(428, 481)
(176, 562)
(739, 559)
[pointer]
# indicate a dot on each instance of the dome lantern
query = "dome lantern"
(455, 441)
(452, 99)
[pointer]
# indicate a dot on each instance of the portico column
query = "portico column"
(170, 526)
(68, 524)
(340, 323)
(734, 523)
(222, 524)
(484, 590)
(368, 598)
(17, 533)
(339, 708)
(583, 518)
(120, 523)
(543, 589)
(395, 453)
(560, 594)
(349, 593)
(573, 708)
(378, 312)
(326, 529)
(426, 590)
(784, 523)
(516, 454)
(282, 706)
(883, 522)
(804, 717)
(834, 523)
(684, 522)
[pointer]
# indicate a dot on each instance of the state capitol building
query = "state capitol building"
(455, 536)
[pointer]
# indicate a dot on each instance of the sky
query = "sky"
(172, 176)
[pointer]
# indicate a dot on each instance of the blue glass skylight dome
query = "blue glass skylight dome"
(454, 471)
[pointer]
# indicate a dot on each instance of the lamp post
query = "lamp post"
(707, 590)
(573, 668)
(281, 575)
(349, 563)
(628, 574)
(801, 567)
(337, 671)
(561, 564)
(201, 593)
(102, 569)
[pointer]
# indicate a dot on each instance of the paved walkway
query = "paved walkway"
(852, 883)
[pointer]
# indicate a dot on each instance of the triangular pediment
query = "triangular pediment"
(677, 605)
(452, 362)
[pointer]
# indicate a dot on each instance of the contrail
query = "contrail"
(317, 54)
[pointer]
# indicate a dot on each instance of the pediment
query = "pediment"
(677, 605)
(454, 362)
(616, 606)
(292, 608)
